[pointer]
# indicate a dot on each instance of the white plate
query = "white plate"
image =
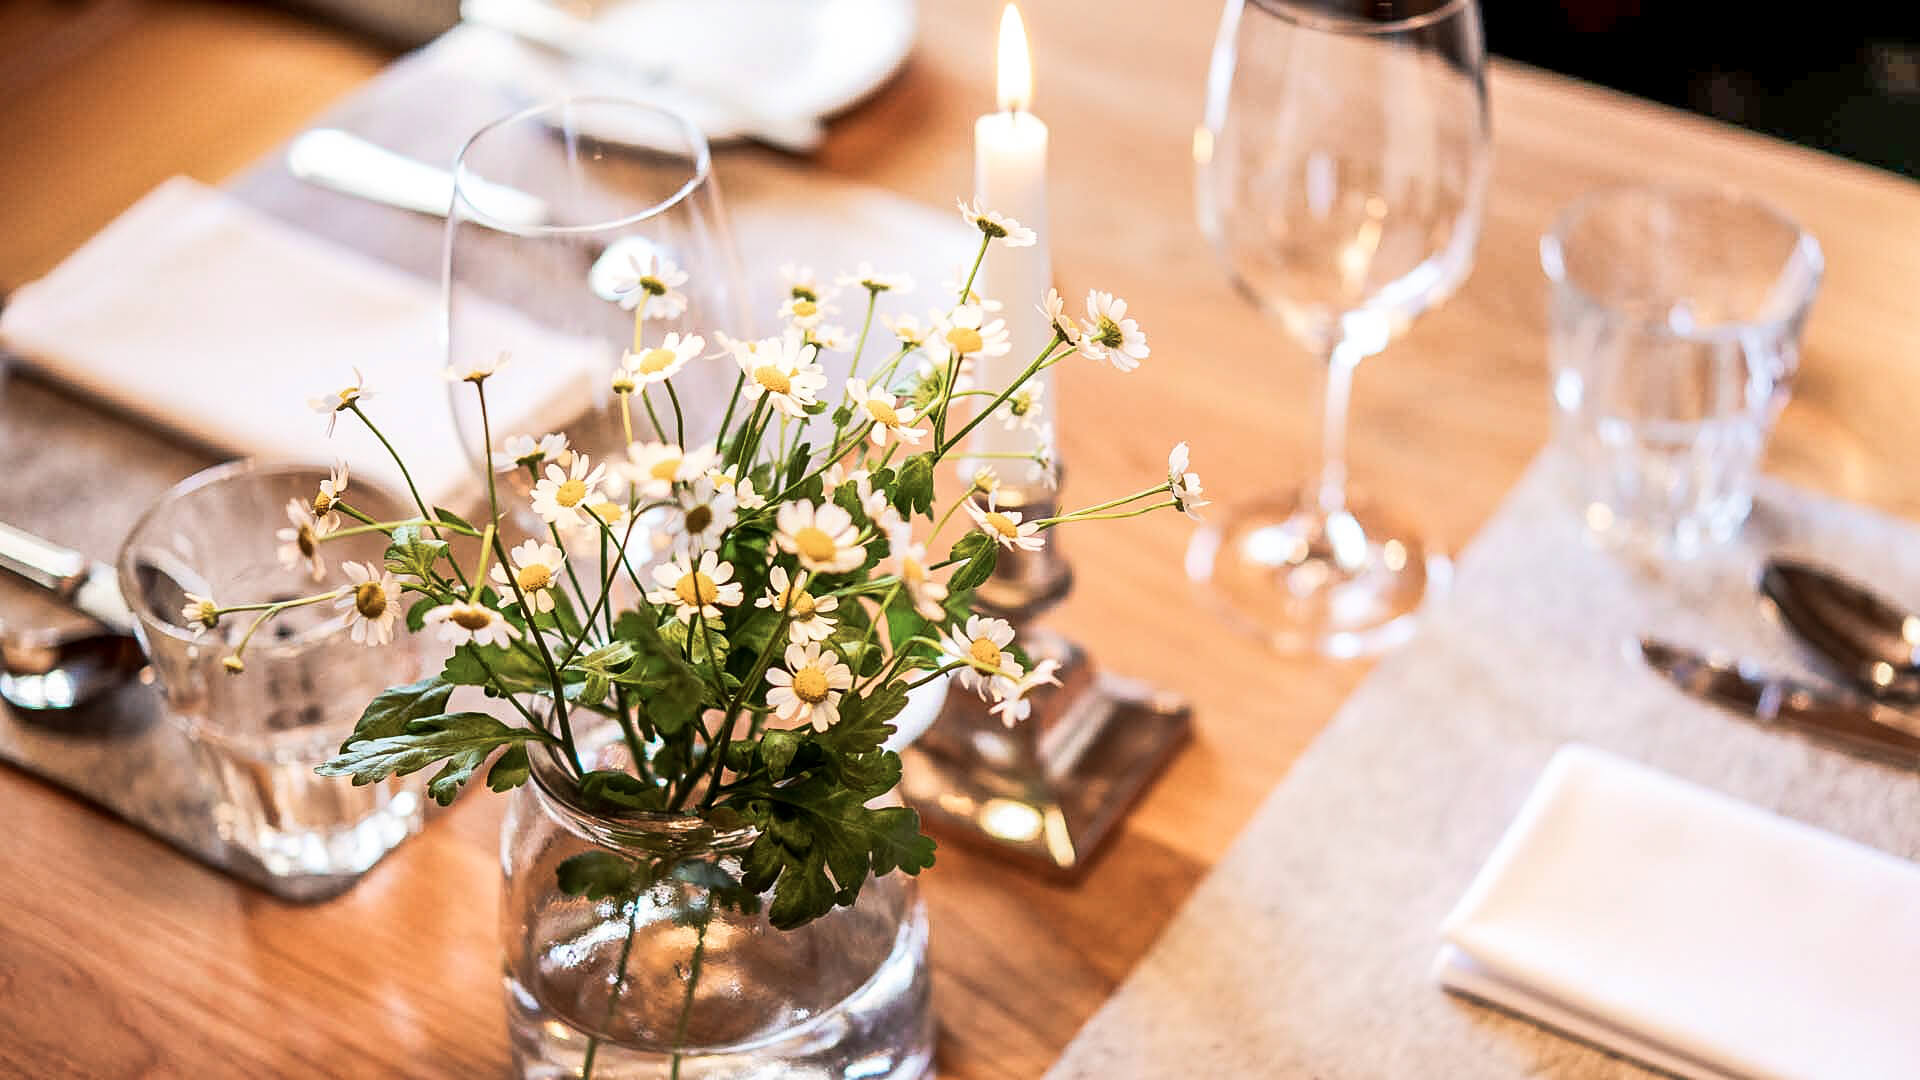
(730, 65)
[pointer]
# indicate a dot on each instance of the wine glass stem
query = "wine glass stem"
(1333, 431)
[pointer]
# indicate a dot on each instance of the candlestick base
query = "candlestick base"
(1047, 791)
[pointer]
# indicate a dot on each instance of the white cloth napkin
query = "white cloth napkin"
(1691, 931)
(202, 315)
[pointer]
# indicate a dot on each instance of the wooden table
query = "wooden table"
(118, 957)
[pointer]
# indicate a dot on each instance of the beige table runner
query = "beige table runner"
(1306, 952)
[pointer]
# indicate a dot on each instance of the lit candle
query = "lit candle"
(1010, 177)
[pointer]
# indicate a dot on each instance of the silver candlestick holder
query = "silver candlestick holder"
(1047, 791)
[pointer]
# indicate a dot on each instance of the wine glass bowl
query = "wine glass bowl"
(1342, 171)
(551, 206)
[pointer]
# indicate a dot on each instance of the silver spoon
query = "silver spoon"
(59, 670)
(1868, 639)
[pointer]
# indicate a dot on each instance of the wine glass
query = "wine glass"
(1342, 169)
(552, 205)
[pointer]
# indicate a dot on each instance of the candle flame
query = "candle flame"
(1016, 65)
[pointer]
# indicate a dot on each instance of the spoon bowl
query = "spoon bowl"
(60, 671)
(1866, 638)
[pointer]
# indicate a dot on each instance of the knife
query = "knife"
(92, 587)
(1841, 717)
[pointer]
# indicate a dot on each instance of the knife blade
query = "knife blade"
(1838, 716)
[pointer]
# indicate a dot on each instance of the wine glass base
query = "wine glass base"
(1343, 584)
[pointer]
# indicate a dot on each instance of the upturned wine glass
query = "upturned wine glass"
(1343, 166)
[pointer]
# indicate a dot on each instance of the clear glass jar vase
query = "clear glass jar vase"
(651, 962)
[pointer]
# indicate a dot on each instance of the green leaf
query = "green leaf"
(797, 464)
(389, 713)
(777, 748)
(452, 518)
(982, 555)
(914, 492)
(896, 842)
(863, 725)
(411, 553)
(612, 789)
(842, 415)
(456, 736)
(510, 769)
(455, 773)
(804, 892)
(417, 614)
(670, 687)
(595, 875)
(518, 672)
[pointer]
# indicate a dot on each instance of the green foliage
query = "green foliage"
(980, 554)
(462, 740)
(597, 875)
(510, 769)
(913, 492)
(819, 843)
(389, 713)
(410, 552)
(611, 789)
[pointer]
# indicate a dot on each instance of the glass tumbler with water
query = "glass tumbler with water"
(1676, 321)
(258, 735)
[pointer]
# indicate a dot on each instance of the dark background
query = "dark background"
(1842, 76)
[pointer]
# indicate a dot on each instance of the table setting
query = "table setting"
(658, 540)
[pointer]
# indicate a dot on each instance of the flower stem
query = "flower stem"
(619, 986)
(967, 289)
(1048, 523)
(693, 983)
(943, 446)
(679, 418)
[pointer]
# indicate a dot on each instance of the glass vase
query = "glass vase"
(652, 962)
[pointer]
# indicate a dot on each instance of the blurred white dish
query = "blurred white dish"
(760, 69)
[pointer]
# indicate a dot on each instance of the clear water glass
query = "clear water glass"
(258, 735)
(1677, 314)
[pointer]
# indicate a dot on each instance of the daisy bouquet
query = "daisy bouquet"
(749, 613)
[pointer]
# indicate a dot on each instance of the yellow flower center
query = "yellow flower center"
(810, 685)
(912, 572)
(306, 540)
(985, 653)
(322, 503)
(655, 361)
(665, 469)
(534, 576)
(798, 604)
(1109, 333)
(654, 285)
(883, 413)
(805, 309)
(699, 519)
(622, 382)
(571, 492)
(964, 340)
(814, 543)
(369, 599)
(772, 378)
(611, 513)
(1022, 403)
(1003, 525)
(472, 618)
(802, 292)
(207, 614)
(696, 590)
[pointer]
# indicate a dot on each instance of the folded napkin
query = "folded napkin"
(202, 315)
(1691, 931)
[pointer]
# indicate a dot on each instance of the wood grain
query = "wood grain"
(119, 958)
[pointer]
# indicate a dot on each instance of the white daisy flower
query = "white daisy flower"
(525, 452)
(332, 490)
(986, 480)
(663, 361)
(372, 605)
(809, 688)
(654, 468)
(1184, 485)
(889, 417)
(833, 338)
(704, 587)
(536, 569)
(822, 535)
(866, 277)
(806, 615)
(801, 283)
(561, 493)
(609, 513)
(460, 623)
(342, 399)
(1004, 526)
(998, 226)
(475, 371)
(974, 296)
(1025, 410)
(981, 646)
(1055, 309)
(655, 277)
(1109, 335)
(200, 613)
(967, 332)
(908, 330)
(785, 370)
(744, 497)
(702, 512)
(805, 312)
(300, 542)
(908, 559)
(1010, 696)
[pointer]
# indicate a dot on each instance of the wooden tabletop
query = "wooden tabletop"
(118, 957)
